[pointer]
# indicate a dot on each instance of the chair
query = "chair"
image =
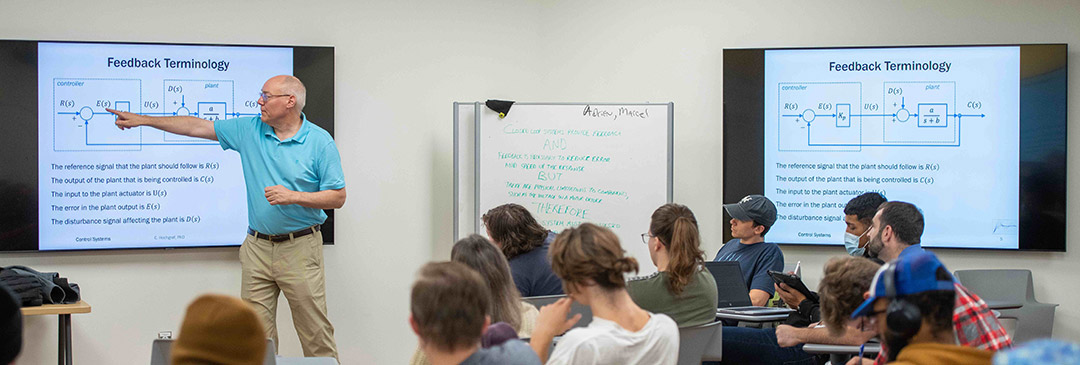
(694, 340)
(162, 350)
(1034, 319)
(575, 308)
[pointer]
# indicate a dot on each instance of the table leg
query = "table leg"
(65, 339)
(60, 341)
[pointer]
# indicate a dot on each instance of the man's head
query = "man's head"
(895, 226)
(751, 217)
(281, 97)
(858, 216)
(841, 289)
(449, 307)
(513, 229)
(911, 300)
(10, 326)
(220, 329)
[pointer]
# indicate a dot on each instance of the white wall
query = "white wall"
(401, 64)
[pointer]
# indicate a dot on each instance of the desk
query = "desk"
(840, 354)
(64, 311)
(1002, 304)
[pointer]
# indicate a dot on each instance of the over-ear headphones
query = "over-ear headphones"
(902, 318)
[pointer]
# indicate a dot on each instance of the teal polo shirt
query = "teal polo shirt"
(308, 162)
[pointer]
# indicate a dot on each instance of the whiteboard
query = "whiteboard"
(569, 163)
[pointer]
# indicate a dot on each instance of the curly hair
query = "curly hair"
(841, 289)
(514, 229)
(590, 254)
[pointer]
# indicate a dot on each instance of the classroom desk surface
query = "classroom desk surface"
(1003, 304)
(54, 309)
(64, 312)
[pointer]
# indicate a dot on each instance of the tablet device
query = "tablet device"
(792, 281)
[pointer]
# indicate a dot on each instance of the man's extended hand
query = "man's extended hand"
(280, 195)
(125, 120)
(790, 296)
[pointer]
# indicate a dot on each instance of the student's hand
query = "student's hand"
(125, 120)
(790, 296)
(552, 319)
(280, 195)
(787, 336)
(860, 361)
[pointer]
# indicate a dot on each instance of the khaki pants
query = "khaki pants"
(296, 268)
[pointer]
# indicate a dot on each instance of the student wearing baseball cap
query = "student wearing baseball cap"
(751, 219)
(911, 303)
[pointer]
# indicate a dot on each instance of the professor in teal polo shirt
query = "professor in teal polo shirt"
(292, 171)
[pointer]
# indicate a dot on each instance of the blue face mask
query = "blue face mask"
(851, 243)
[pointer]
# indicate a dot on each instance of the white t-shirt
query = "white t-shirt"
(605, 342)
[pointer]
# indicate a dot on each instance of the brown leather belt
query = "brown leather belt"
(286, 236)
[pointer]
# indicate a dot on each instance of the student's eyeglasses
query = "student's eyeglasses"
(264, 96)
(645, 237)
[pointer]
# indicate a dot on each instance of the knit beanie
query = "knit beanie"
(10, 326)
(220, 329)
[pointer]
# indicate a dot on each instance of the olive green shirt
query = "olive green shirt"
(696, 305)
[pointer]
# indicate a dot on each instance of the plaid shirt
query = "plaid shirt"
(976, 325)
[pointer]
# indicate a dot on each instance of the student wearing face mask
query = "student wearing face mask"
(858, 214)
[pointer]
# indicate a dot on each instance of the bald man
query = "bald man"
(292, 171)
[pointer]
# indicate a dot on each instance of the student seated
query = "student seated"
(220, 329)
(681, 288)
(751, 219)
(911, 305)
(849, 276)
(525, 244)
(10, 326)
(449, 311)
(895, 232)
(858, 215)
(479, 254)
(591, 263)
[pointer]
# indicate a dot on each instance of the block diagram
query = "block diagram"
(921, 113)
(80, 121)
(207, 99)
(817, 116)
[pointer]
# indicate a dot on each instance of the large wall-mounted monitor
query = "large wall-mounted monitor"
(74, 181)
(972, 135)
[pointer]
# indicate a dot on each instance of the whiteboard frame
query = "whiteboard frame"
(476, 153)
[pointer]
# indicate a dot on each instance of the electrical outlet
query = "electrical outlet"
(164, 335)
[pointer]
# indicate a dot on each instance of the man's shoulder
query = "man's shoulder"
(317, 132)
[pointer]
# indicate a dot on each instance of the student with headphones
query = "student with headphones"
(911, 304)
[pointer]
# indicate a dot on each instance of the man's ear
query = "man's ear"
(759, 229)
(865, 295)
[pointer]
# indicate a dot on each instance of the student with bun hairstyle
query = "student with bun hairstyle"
(681, 288)
(591, 264)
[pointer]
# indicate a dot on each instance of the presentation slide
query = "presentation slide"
(102, 187)
(936, 127)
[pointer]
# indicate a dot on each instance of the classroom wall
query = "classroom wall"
(400, 65)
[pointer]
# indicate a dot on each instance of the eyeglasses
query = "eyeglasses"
(645, 237)
(264, 96)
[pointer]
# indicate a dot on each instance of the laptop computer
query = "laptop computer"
(732, 293)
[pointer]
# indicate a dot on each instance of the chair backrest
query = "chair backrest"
(160, 352)
(1005, 285)
(694, 340)
(575, 308)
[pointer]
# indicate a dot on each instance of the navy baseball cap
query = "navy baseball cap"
(755, 208)
(912, 274)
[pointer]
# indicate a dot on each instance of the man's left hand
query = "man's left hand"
(280, 195)
(790, 296)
